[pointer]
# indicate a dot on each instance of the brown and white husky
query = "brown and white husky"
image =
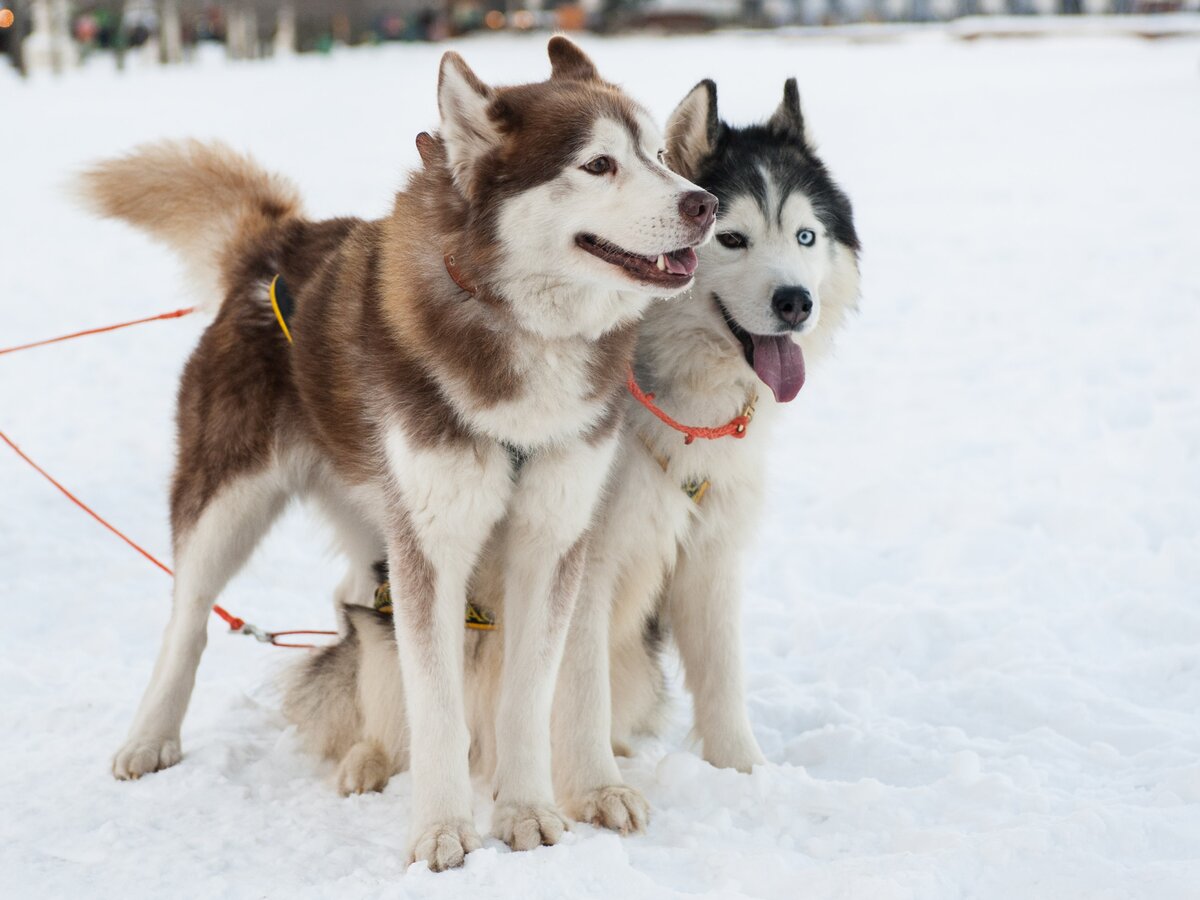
(666, 547)
(486, 325)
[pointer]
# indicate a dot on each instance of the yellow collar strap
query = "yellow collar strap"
(282, 304)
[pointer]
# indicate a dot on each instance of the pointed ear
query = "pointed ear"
(467, 130)
(568, 62)
(787, 119)
(693, 129)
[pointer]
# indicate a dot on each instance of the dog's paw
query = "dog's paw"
(143, 755)
(445, 845)
(616, 806)
(524, 826)
(365, 768)
(743, 757)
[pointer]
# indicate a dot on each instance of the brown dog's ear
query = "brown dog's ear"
(693, 130)
(467, 131)
(788, 120)
(427, 146)
(568, 62)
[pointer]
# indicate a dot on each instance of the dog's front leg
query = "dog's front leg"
(450, 498)
(545, 546)
(704, 603)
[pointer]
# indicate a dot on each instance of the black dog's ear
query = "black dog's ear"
(568, 62)
(788, 120)
(693, 129)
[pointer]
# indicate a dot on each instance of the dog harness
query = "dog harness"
(696, 488)
(477, 618)
(284, 305)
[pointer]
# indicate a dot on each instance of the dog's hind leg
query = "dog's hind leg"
(381, 747)
(365, 769)
(208, 553)
(363, 544)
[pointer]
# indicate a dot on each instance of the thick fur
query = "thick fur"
(195, 198)
(403, 399)
(657, 560)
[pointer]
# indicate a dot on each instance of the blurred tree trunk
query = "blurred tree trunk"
(49, 44)
(241, 31)
(170, 29)
(285, 30)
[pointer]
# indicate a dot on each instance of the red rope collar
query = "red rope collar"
(735, 427)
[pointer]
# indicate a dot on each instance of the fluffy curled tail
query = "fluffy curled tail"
(203, 200)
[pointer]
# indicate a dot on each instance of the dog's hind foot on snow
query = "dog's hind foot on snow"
(616, 806)
(364, 769)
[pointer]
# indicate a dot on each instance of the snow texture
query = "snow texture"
(972, 613)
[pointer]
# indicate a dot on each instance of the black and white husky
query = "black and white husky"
(667, 543)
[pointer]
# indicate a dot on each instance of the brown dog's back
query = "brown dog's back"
(236, 227)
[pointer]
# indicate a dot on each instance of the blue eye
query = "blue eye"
(806, 236)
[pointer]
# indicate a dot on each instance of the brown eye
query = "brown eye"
(732, 239)
(601, 165)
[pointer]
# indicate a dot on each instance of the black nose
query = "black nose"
(699, 208)
(793, 304)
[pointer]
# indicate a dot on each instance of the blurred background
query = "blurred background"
(59, 34)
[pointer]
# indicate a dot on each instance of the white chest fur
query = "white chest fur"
(552, 405)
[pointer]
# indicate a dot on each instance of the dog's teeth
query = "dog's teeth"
(662, 263)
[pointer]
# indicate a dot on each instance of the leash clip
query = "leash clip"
(263, 637)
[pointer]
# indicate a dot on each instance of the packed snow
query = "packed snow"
(972, 612)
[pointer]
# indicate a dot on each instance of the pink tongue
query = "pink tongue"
(681, 262)
(779, 364)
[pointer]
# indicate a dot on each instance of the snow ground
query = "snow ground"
(973, 610)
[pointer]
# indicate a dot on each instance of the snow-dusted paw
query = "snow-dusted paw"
(615, 806)
(742, 755)
(142, 755)
(363, 769)
(524, 826)
(445, 845)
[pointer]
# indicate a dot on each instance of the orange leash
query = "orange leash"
(235, 624)
(175, 314)
(735, 427)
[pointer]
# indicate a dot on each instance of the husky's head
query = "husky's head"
(783, 272)
(565, 181)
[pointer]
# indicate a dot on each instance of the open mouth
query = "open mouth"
(776, 359)
(671, 270)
